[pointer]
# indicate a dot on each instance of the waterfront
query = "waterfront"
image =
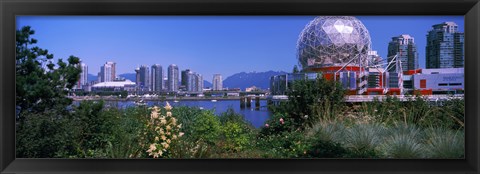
(255, 116)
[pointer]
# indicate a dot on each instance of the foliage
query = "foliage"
(161, 131)
(202, 133)
(43, 121)
(283, 145)
(362, 140)
(237, 133)
(403, 141)
(275, 125)
(43, 135)
(129, 127)
(445, 143)
(40, 84)
(310, 101)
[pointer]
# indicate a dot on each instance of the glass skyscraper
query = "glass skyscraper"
(173, 78)
(156, 78)
(445, 46)
(404, 46)
(144, 81)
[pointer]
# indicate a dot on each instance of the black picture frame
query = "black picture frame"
(11, 8)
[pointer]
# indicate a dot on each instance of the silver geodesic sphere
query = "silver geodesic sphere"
(333, 41)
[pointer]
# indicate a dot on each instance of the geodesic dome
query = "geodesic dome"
(333, 41)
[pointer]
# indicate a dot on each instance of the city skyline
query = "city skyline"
(210, 45)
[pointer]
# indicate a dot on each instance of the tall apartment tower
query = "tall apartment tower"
(445, 46)
(173, 78)
(144, 74)
(83, 80)
(156, 78)
(184, 80)
(199, 83)
(137, 77)
(107, 72)
(217, 82)
(404, 46)
(191, 81)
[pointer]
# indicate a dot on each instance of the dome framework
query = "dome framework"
(333, 41)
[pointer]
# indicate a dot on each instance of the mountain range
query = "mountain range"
(245, 80)
(240, 80)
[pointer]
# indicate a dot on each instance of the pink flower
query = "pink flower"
(266, 125)
(281, 121)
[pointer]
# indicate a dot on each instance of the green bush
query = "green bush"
(44, 135)
(445, 143)
(403, 141)
(283, 145)
(362, 140)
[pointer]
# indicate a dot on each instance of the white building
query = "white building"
(173, 78)
(107, 72)
(217, 82)
(114, 86)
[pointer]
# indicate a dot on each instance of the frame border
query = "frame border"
(11, 8)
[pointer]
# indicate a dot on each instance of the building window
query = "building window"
(442, 84)
(455, 84)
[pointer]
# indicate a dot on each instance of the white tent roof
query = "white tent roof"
(114, 84)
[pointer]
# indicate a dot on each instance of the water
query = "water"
(256, 117)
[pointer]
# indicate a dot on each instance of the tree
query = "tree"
(43, 121)
(295, 69)
(40, 85)
(312, 100)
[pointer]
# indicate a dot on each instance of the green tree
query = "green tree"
(41, 88)
(312, 100)
(295, 69)
(40, 85)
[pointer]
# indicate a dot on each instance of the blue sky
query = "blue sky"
(205, 44)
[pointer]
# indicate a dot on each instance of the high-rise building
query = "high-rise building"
(83, 80)
(184, 80)
(403, 46)
(144, 81)
(191, 81)
(217, 82)
(107, 72)
(199, 83)
(445, 46)
(100, 75)
(173, 78)
(157, 78)
(137, 77)
(185, 77)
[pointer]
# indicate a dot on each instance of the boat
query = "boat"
(140, 103)
(214, 100)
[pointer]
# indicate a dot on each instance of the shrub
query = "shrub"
(445, 143)
(403, 142)
(283, 145)
(161, 131)
(362, 139)
(202, 132)
(278, 124)
(126, 139)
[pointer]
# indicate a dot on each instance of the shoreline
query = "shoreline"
(158, 99)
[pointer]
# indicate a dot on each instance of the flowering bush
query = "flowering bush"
(164, 129)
